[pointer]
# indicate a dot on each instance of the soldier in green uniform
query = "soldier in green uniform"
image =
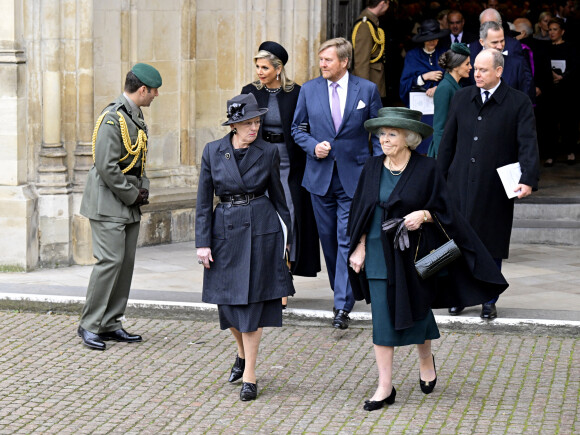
(116, 187)
(368, 43)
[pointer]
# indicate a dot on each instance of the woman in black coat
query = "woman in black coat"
(393, 187)
(241, 242)
(279, 94)
(561, 97)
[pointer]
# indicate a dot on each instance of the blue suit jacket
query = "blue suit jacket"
(349, 146)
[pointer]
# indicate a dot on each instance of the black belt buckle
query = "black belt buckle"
(240, 199)
(271, 137)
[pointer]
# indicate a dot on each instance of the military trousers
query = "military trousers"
(114, 246)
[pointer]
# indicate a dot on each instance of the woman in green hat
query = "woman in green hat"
(382, 262)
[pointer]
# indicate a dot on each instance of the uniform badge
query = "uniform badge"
(110, 122)
(228, 156)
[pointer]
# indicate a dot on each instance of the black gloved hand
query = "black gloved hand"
(142, 197)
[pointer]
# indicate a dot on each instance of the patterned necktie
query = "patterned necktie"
(336, 115)
(486, 93)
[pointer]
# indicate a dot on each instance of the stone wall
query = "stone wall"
(62, 61)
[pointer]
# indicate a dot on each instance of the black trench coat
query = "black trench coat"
(472, 279)
(476, 141)
(247, 241)
(307, 261)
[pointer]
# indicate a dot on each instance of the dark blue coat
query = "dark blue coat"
(417, 62)
(246, 242)
(307, 261)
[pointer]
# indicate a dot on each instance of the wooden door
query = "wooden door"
(341, 16)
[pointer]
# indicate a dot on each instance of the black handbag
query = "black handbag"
(438, 258)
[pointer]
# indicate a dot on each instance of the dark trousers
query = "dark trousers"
(331, 213)
(498, 262)
(114, 246)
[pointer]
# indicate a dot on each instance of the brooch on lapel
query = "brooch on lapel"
(228, 156)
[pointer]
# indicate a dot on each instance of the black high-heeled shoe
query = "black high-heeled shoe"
(373, 405)
(249, 391)
(428, 386)
(237, 369)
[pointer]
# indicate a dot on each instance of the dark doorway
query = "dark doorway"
(341, 16)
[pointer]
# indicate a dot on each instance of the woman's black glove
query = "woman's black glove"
(401, 239)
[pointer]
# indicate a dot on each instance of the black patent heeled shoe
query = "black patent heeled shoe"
(373, 405)
(428, 386)
(237, 369)
(249, 391)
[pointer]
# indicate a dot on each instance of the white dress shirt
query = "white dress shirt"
(491, 91)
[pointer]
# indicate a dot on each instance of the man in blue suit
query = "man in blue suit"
(517, 72)
(329, 126)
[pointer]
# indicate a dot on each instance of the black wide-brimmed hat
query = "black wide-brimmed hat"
(243, 107)
(276, 49)
(399, 117)
(430, 30)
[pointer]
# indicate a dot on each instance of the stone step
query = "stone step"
(547, 223)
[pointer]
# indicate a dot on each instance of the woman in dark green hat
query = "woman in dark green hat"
(456, 63)
(382, 262)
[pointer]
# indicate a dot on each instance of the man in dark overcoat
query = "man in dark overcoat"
(117, 185)
(490, 125)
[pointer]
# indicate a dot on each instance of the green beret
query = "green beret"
(147, 74)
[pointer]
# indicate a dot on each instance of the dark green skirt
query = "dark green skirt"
(384, 332)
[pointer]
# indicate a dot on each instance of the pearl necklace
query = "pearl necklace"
(272, 91)
(400, 171)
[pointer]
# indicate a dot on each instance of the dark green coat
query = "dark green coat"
(442, 99)
(108, 192)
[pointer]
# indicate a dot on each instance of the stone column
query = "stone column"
(18, 202)
(53, 185)
(84, 122)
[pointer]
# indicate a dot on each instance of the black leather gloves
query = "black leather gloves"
(401, 239)
(142, 197)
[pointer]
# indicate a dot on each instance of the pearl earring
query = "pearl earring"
(234, 130)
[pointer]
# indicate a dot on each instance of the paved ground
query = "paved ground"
(544, 283)
(311, 380)
(517, 374)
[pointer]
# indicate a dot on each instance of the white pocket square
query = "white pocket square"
(361, 105)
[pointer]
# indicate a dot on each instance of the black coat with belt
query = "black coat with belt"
(479, 138)
(472, 279)
(307, 261)
(246, 241)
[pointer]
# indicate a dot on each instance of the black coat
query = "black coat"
(477, 140)
(307, 261)
(472, 279)
(246, 241)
